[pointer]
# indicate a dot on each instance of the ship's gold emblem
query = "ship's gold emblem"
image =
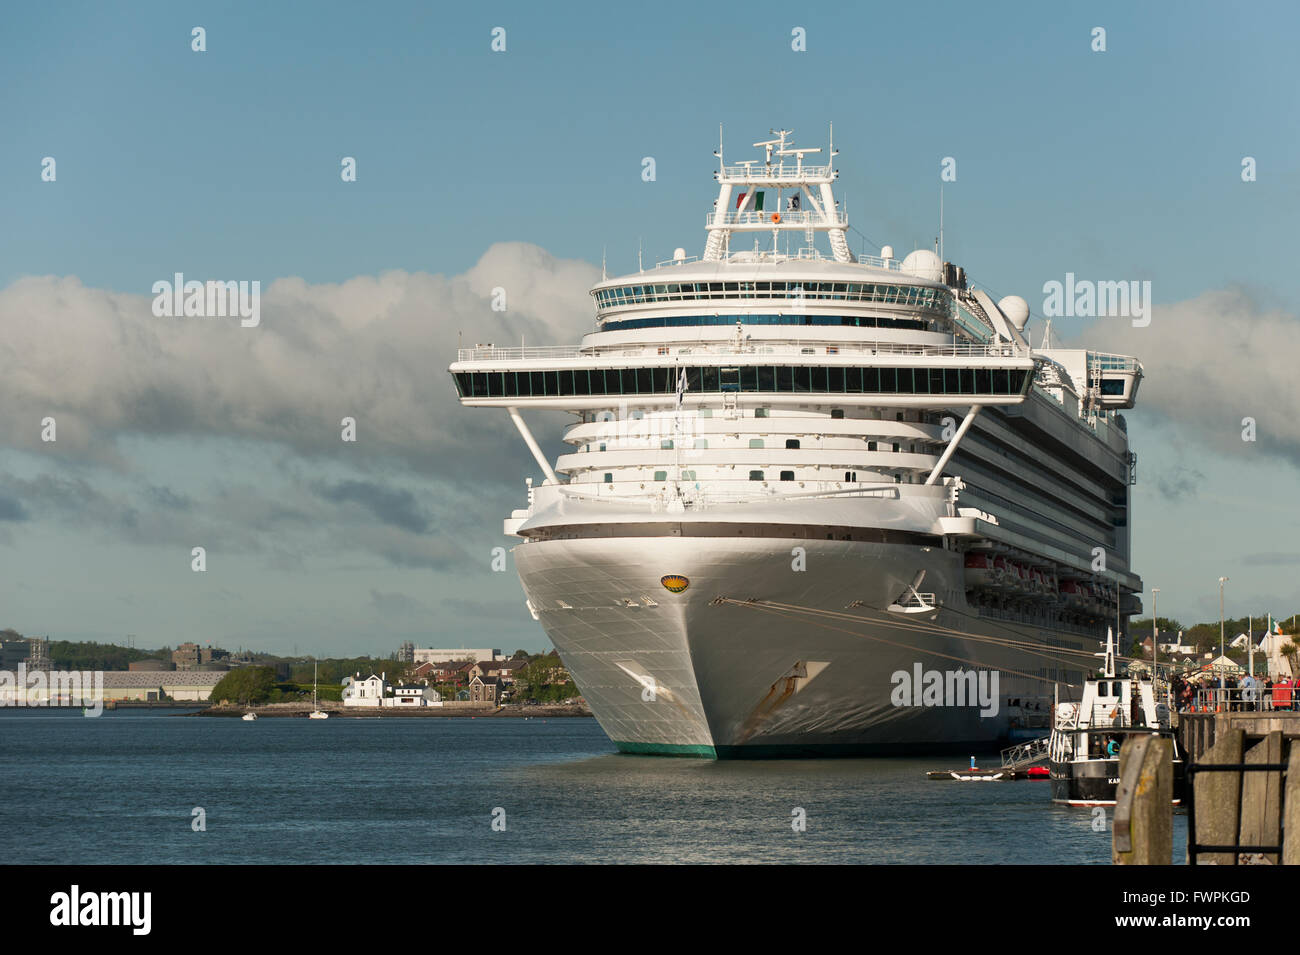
(675, 582)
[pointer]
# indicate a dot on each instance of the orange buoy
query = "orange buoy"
(776, 217)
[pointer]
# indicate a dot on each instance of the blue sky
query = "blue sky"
(1117, 165)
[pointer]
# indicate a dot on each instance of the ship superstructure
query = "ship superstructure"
(793, 476)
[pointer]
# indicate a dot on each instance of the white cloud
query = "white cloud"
(1212, 361)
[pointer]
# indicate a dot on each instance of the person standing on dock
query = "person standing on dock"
(1248, 693)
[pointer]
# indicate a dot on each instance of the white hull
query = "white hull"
(734, 680)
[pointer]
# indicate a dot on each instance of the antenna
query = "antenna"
(941, 220)
(639, 266)
(603, 274)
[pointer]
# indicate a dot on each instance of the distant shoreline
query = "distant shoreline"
(336, 711)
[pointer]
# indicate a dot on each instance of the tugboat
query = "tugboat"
(1083, 750)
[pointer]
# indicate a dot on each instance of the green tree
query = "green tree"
(245, 685)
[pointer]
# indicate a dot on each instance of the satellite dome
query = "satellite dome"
(924, 264)
(679, 255)
(887, 252)
(1016, 309)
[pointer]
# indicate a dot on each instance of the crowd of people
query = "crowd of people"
(1231, 693)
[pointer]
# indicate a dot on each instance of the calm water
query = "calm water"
(121, 788)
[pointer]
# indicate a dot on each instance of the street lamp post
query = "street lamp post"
(1155, 634)
(1222, 651)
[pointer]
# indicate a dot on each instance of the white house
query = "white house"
(414, 695)
(368, 692)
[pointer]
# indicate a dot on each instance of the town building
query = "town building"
(193, 686)
(420, 655)
(31, 652)
(412, 696)
(370, 691)
(485, 689)
(187, 656)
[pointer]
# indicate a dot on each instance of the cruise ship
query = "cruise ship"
(816, 502)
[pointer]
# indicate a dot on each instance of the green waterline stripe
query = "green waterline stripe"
(667, 749)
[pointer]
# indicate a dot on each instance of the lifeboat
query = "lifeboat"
(980, 571)
(1073, 593)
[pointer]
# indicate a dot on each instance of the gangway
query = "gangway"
(1025, 754)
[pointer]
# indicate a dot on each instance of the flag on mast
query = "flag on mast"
(681, 386)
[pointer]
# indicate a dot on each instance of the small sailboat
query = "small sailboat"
(249, 717)
(316, 712)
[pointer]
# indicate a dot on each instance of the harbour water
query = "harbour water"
(122, 788)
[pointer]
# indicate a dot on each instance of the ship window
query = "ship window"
(755, 442)
(645, 381)
(899, 416)
(749, 378)
(967, 381)
(785, 379)
(1112, 386)
(983, 381)
(701, 443)
(762, 412)
(1001, 381)
(836, 413)
(609, 478)
(853, 383)
(802, 378)
(787, 475)
(898, 479)
(871, 446)
(850, 476)
(704, 413)
(729, 378)
(602, 446)
(835, 383)
(637, 415)
(792, 442)
(666, 444)
(661, 475)
(951, 384)
(756, 475)
(896, 447)
(905, 381)
(766, 378)
(819, 378)
(709, 379)
(688, 475)
(581, 382)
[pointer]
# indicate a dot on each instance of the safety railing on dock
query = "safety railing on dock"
(1236, 699)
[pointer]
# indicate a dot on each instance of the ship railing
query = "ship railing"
(559, 352)
(1103, 361)
(759, 172)
(789, 217)
(1236, 699)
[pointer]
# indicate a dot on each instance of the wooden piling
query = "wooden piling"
(1218, 799)
(1142, 832)
(1291, 824)
(1261, 801)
